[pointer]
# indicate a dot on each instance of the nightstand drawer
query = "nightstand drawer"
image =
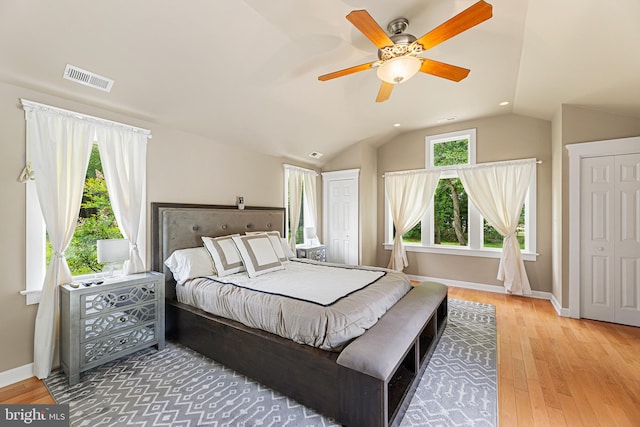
(94, 350)
(118, 320)
(114, 299)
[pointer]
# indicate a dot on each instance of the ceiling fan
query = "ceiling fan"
(398, 54)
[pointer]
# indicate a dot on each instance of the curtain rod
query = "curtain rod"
(288, 166)
(31, 105)
(456, 167)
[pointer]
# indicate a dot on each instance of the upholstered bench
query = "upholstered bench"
(409, 336)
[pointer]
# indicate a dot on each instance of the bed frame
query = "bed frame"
(369, 383)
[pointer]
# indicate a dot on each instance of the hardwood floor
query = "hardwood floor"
(31, 390)
(557, 371)
(552, 371)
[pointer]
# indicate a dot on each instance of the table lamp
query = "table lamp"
(113, 252)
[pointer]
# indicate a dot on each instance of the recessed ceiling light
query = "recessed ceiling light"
(503, 103)
(316, 154)
(396, 125)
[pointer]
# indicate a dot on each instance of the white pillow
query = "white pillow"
(189, 263)
(274, 237)
(288, 252)
(226, 257)
(258, 254)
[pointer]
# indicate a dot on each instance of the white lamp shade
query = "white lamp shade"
(399, 69)
(113, 250)
(309, 233)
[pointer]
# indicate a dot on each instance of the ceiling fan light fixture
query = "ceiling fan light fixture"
(399, 69)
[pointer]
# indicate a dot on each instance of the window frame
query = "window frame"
(449, 172)
(475, 244)
(35, 245)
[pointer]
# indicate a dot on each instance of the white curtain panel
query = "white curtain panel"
(409, 195)
(295, 203)
(310, 196)
(498, 191)
(123, 153)
(60, 147)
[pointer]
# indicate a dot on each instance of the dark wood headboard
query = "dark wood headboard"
(179, 226)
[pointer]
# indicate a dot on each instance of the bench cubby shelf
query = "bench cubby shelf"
(389, 388)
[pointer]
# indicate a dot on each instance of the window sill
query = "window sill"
(33, 296)
(444, 250)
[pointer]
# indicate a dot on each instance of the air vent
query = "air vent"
(315, 155)
(87, 78)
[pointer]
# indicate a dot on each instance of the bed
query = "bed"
(367, 381)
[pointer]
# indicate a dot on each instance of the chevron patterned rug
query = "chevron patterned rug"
(179, 387)
(459, 386)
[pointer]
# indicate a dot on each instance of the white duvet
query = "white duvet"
(318, 304)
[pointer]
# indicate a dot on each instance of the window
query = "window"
(96, 220)
(124, 145)
(306, 230)
(453, 224)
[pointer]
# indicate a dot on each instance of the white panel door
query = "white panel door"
(597, 246)
(610, 239)
(627, 240)
(341, 222)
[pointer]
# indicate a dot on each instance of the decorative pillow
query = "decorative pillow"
(274, 237)
(226, 257)
(288, 252)
(258, 254)
(189, 263)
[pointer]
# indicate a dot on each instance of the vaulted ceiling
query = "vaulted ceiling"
(245, 72)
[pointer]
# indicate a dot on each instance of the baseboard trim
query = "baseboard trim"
(15, 375)
(497, 289)
(564, 312)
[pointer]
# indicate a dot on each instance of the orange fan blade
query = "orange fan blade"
(345, 72)
(385, 91)
(479, 12)
(370, 28)
(440, 69)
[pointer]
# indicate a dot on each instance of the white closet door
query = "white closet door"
(627, 243)
(610, 239)
(341, 216)
(597, 246)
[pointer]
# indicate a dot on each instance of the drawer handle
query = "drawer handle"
(123, 341)
(122, 297)
(123, 319)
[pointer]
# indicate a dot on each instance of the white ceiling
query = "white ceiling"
(245, 72)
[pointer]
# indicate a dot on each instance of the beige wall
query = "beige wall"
(16, 319)
(577, 124)
(556, 205)
(368, 204)
(498, 138)
(181, 167)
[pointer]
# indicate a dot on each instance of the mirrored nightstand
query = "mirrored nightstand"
(315, 252)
